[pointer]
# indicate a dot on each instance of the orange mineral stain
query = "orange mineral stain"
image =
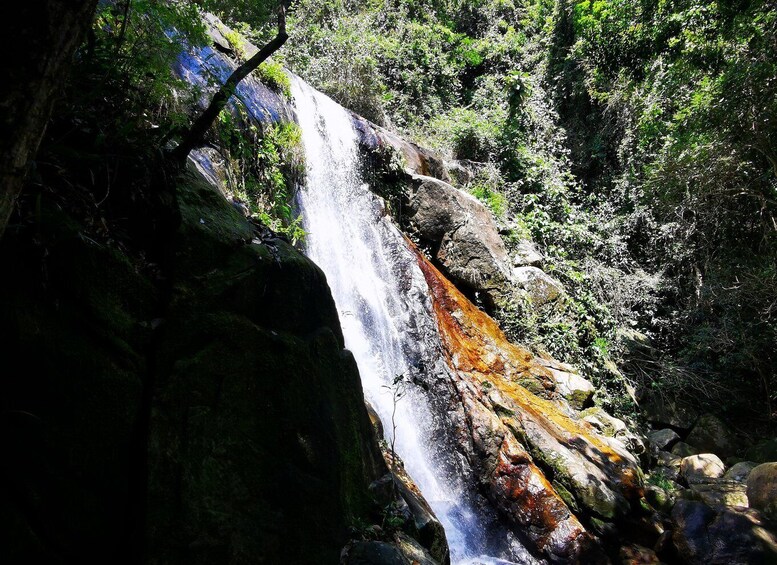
(483, 359)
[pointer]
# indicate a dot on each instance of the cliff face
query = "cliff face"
(199, 411)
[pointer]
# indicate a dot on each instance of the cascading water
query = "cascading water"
(387, 320)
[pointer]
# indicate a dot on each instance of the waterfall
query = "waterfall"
(388, 322)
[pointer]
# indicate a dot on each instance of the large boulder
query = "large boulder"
(701, 468)
(702, 535)
(462, 236)
(711, 434)
(762, 489)
(208, 416)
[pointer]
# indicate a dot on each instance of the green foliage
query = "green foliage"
(123, 83)
(265, 165)
(486, 187)
(273, 75)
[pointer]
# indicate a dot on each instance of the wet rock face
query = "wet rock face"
(462, 235)
(542, 469)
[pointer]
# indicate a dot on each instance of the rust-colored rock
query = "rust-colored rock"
(540, 466)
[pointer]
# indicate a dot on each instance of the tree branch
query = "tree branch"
(196, 133)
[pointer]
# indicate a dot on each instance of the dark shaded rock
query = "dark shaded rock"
(663, 411)
(762, 489)
(682, 449)
(711, 435)
(663, 439)
(637, 555)
(703, 536)
(691, 520)
(372, 553)
(193, 420)
(258, 410)
(763, 451)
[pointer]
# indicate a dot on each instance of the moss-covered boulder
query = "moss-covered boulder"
(200, 408)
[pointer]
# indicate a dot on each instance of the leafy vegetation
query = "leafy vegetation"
(634, 141)
(263, 163)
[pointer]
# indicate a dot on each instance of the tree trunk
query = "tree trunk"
(196, 133)
(37, 53)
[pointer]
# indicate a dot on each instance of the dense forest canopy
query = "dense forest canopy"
(633, 140)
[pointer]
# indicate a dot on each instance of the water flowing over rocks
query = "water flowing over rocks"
(511, 426)
(213, 418)
(503, 445)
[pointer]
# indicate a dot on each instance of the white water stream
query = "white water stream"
(387, 319)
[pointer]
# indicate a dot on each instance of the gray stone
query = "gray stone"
(540, 287)
(712, 435)
(574, 388)
(700, 468)
(762, 489)
(463, 236)
(740, 471)
(526, 254)
(663, 439)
